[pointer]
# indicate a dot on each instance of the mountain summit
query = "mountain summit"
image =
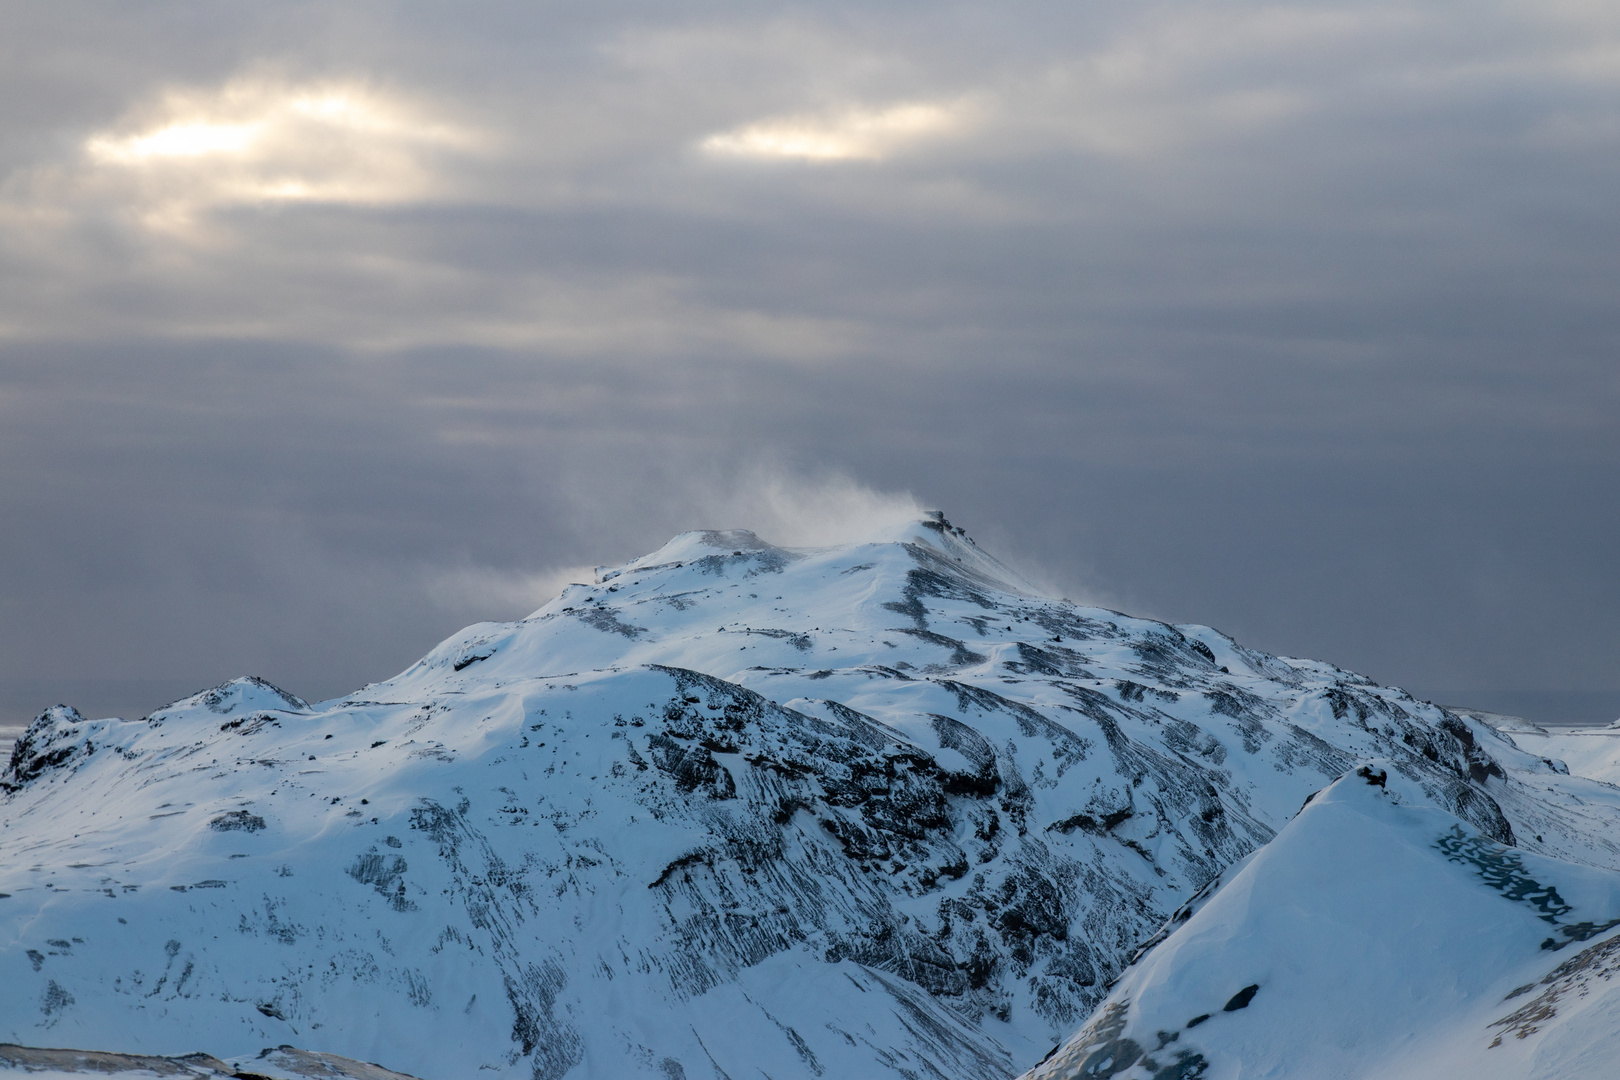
(866, 811)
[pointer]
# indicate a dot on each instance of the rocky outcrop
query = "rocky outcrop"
(274, 1063)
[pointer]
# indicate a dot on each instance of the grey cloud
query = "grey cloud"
(216, 510)
(1298, 321)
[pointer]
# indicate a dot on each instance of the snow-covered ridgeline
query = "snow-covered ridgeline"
(874, 810)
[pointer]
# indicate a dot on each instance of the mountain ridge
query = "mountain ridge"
(880, 809)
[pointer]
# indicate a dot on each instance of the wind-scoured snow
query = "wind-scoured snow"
(878, 810)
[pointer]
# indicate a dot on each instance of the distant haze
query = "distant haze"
(325, 330)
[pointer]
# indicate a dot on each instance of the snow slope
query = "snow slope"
(879, 810)
(1376, 936)
(1593, 752)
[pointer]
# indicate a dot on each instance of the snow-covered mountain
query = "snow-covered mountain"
(879, 810)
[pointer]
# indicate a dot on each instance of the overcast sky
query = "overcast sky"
(327, 329)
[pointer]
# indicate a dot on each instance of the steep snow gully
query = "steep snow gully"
(733, 809)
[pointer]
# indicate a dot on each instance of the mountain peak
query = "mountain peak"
(926, 527)
(690, 546)
(929, 530)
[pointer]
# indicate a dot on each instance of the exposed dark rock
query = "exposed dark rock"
(51, 742)
(237, 821)
(1241, 999)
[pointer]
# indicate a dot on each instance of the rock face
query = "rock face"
(880, 810)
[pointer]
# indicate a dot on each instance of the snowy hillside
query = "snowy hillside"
(1374, 937)
(878, 810)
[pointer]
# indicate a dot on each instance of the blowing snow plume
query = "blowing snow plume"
(797, 511)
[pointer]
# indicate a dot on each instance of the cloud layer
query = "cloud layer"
(322, 330)
(263, 142)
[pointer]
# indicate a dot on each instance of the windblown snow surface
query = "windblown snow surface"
(736, 810)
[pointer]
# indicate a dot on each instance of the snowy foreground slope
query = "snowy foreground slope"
(1374, 937)
(871, 811)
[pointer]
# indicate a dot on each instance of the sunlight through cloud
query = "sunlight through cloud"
(268, 141)
(850, 135)
(177, 140)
